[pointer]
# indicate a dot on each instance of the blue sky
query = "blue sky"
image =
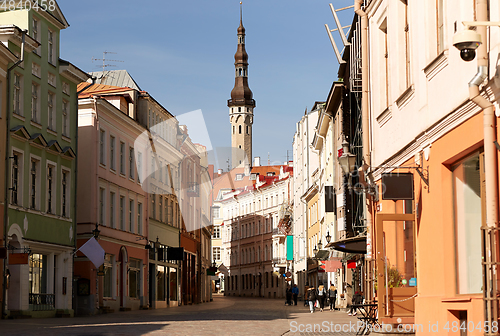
(182, 52)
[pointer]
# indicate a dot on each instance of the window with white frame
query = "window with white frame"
(51, 189)
(122, 158)
(153, 206)
(216, 234)
(139, 218)
(35, 101)
(112, 209)
(51, 46)
(122, 213)
(215, 212)
(215, 253)
(160, 207)
(51, 109)
(440, 25)
(131, 216)
(17, 94)
(112, 159)
(65, 184)
(102, 196)
(102, 151)
(35, 28)
(65, 118)
(34, 184)
(139, 166)
(131, 162)
(17, 174)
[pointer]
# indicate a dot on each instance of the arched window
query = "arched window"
(258, 254)
(239, 127)
(248, 130)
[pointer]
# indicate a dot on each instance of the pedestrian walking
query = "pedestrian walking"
(321, 296)
(306, 293)
(311, 298)
(332, 296)
(295, 293)
(288, 296)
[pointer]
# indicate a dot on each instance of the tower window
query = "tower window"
(239, 146)
(233, 129)
(239, 109)
(248, 130)
(239, 127)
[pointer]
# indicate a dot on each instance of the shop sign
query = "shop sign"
(413, 282)
(18, 258)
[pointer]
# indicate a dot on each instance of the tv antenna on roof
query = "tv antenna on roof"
(104, 60)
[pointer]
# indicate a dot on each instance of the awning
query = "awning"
(322, 254)
(350, 245)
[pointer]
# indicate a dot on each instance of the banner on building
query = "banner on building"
(289, 247)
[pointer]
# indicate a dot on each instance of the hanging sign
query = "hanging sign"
(18, 258)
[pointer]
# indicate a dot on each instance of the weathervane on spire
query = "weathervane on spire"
(241, 11)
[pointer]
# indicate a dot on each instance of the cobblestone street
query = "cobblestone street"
(223, 316)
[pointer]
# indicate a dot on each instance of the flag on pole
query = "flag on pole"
(93, 251)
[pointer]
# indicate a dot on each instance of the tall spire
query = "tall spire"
(241, 93)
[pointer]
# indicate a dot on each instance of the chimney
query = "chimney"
(256, 161)
(219, 172)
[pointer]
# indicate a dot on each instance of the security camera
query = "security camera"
(467, 41)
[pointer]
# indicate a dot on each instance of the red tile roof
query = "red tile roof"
(99, 89)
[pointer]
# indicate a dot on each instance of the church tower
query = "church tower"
(241, 105)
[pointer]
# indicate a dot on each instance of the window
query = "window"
(35, 109)
(112, 152)
(248, 130)
(38, 271)
(122, 213)
(215, 212)
(407, 44)
(16, 174)
(215, 253)
(160, 207)
(51, 47)
(108, 276)
(139, 218)
(468, 182)
(17, 94)
(65, 118)
(122, 158)
(139, 167)
(239, 177)
(50, 189)
(101, 205)
(239, 129)
(131, 216)
(153, 206)
(51, 111)
(152, 168)
(101, 147)
(134, 279)
(65, 185)
(34, 28)
(131, 162)
(34, 171)
(112, 209)
(216, 234)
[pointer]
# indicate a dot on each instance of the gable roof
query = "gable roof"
(119, 78)
(92, 89)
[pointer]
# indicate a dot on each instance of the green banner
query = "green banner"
(289, 247)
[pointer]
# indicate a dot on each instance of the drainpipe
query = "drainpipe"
(7, 165)
(490, 168)
(366, 132)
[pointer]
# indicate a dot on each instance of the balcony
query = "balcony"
(42, 302)
(278, 232)
(280, 261)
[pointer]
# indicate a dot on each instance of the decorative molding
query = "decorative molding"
(384, 117)
(405, 97)
(436, 65)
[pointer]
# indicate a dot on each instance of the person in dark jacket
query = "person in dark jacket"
(311, 298)
(295, 293)
(332, 297)
(322, 293)
(356, 300)
(288, 296)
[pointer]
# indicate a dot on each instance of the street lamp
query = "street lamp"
(96, 231)
(328, 237)
(347, 160)
(320, 245)
(315, 250)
